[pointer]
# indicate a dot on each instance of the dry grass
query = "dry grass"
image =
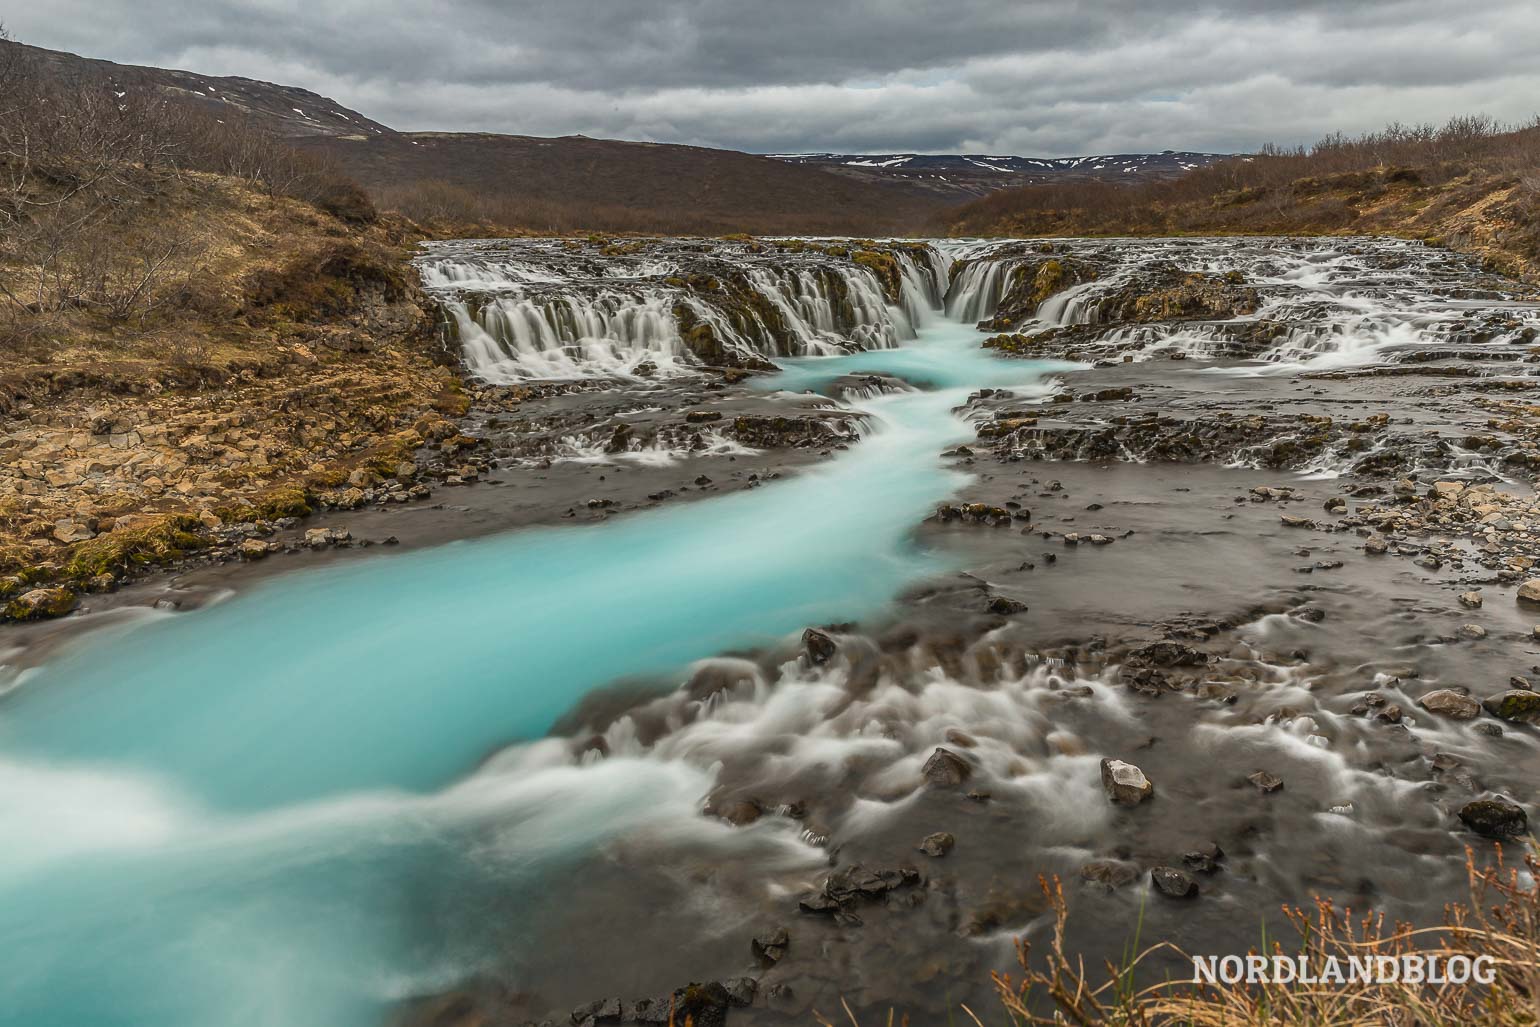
(1500, 922)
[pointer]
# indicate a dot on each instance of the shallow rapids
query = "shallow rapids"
(231, 817)
(354, 785)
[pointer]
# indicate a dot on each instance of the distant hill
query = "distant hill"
(284, 110)
(963, 175)
(462, 180)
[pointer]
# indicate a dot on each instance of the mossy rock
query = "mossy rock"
(886, 267)
(41, 604)
(118, 552)
(282, 501)
(1516, 704)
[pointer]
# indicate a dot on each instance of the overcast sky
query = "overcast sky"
(997, 76)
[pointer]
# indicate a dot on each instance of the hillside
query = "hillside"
(575, 183)
(286, 111)
(570, 183)
(963, 175)
(1472, 185)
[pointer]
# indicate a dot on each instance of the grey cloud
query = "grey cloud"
(1042, 77)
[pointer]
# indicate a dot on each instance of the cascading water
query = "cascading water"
(249, 814)
(281, 809)
(517, 318)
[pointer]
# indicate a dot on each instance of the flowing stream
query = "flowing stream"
(270, 811)
(334, 791)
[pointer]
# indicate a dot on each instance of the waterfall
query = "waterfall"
(543, 309)
(977, 291)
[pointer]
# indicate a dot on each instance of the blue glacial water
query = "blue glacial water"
(267, 812)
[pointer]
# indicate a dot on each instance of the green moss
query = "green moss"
(887, 269)
(282, 501)
(117, 552)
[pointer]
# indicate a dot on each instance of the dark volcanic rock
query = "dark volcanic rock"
(819, 646)
(1173, 883)
(1495, 818)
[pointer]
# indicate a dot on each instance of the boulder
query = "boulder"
(938, 844)
(946, 769)
(1446, 702)
(819, 646)
(768, 948)
(41, 604)
(253, 549)
(1530, 590)
(1471, 599)
(70, 531)
(1109, 873)
(1124, 783)
(1514, 704)
(1494, 818)
(1173, 883)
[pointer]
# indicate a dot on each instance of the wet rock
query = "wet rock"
(1168, 654)
(1517, 704)
(1446, 702)
(41, 604)
(1471, 599)
(738, 812)
(1375, 545)
(604, 1010)
(253, 549)
(846, 889)
(946, 769)
(741, 991)
(1494, 818)
(1005, 606)
(1471, 632)
(1265, 783)
(768, 948)
(938, 844)
(819, 646)
(1529, 591)
(1296, 521)
(1124, 783)
(1204, 859)
(1109, 873)
(1173, 883)
(319, 538)
(701, 416)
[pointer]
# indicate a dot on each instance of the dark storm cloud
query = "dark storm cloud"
(853, 75)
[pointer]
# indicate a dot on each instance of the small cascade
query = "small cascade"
(532, 309)
(977, 290)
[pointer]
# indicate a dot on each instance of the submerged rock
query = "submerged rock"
(938, 844)
(1265, 783)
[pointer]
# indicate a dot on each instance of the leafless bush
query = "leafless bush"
(82, 160)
